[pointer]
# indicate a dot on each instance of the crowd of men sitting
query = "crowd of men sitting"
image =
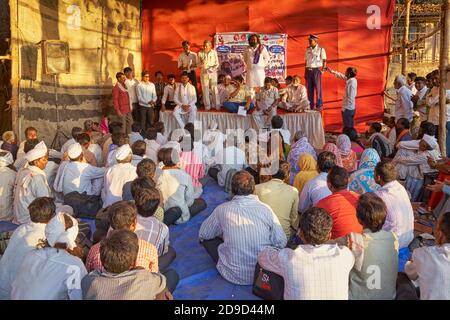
(329, 222)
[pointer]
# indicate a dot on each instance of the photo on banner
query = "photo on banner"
(230, 47)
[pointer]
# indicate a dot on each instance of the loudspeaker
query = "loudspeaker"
(55, 55)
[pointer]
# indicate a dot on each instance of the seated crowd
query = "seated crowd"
(330, 223)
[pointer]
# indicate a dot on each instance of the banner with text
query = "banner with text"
(230, 47)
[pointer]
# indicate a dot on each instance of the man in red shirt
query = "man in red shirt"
(341, 204)
(121, 101)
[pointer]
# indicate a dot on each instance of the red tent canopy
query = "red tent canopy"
(342, 27)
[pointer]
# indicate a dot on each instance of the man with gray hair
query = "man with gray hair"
(403, 103)
(208, 62)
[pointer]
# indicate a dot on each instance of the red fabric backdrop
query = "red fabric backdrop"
(340, 25)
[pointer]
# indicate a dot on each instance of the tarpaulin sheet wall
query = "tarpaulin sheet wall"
(103, 37)
(341, 25)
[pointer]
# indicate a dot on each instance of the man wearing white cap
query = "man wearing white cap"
(77, 175)
(8, 177)
(225, 89)
(316, 64)
(117, 175)
(413, 167)
(31, 182)
(54, 271)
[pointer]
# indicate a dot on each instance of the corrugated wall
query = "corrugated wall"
(103, 36)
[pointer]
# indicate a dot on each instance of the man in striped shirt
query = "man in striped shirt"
(149, 228)
(246, 226)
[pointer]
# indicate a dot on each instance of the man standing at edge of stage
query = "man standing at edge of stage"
(187, 61)
(316, 64)
(256, 58)
(208, 63)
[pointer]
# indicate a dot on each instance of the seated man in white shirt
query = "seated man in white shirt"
(75, 132)
(152, 145)
(119, 139)
(7, 183)
(429, 268)
(167, 100)
(225, 89)
(117, 175)
(267, 101)
(76, 175)
(138, 149)
(135, 135)
(185, 99)
(238, 230)
(24, 239)
(91, 151)
(295, 98)
(314, 270)
(317, 188)
(31, 183)
(46, 272)
(231, 157)
(161, 137)
(400, 216)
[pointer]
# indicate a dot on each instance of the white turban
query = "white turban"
(123, 152)
(431, 141)
(55, 231)
(38, 152)
(6, 159)
(74, 150)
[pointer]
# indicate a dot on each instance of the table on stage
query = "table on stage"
(309, 122)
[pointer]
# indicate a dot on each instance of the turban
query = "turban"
(39, 151)
(75, 150)
(431, 141)
(55, 231)
(123, 152)
(6, 159)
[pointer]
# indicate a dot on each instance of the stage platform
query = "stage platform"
(309, 122)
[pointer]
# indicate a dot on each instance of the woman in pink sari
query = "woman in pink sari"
(331, 147)
(349, 158)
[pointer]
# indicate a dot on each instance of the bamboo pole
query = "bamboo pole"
(14, 17)
(406, 37)
(443, 67)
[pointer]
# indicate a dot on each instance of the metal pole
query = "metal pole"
(15, 60)
(406, 37)
(443, 68)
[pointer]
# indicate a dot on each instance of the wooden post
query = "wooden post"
(15, 59)
(406, 37)
(443, 67)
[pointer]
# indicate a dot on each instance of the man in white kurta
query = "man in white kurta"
(208, 61)
(403, 103)
(31, 183)
(117, 175)
(295, 98)
(185, 100)
(78, 176)
(267, 101)
(8, 178)
(256, 58)
(24, 239)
